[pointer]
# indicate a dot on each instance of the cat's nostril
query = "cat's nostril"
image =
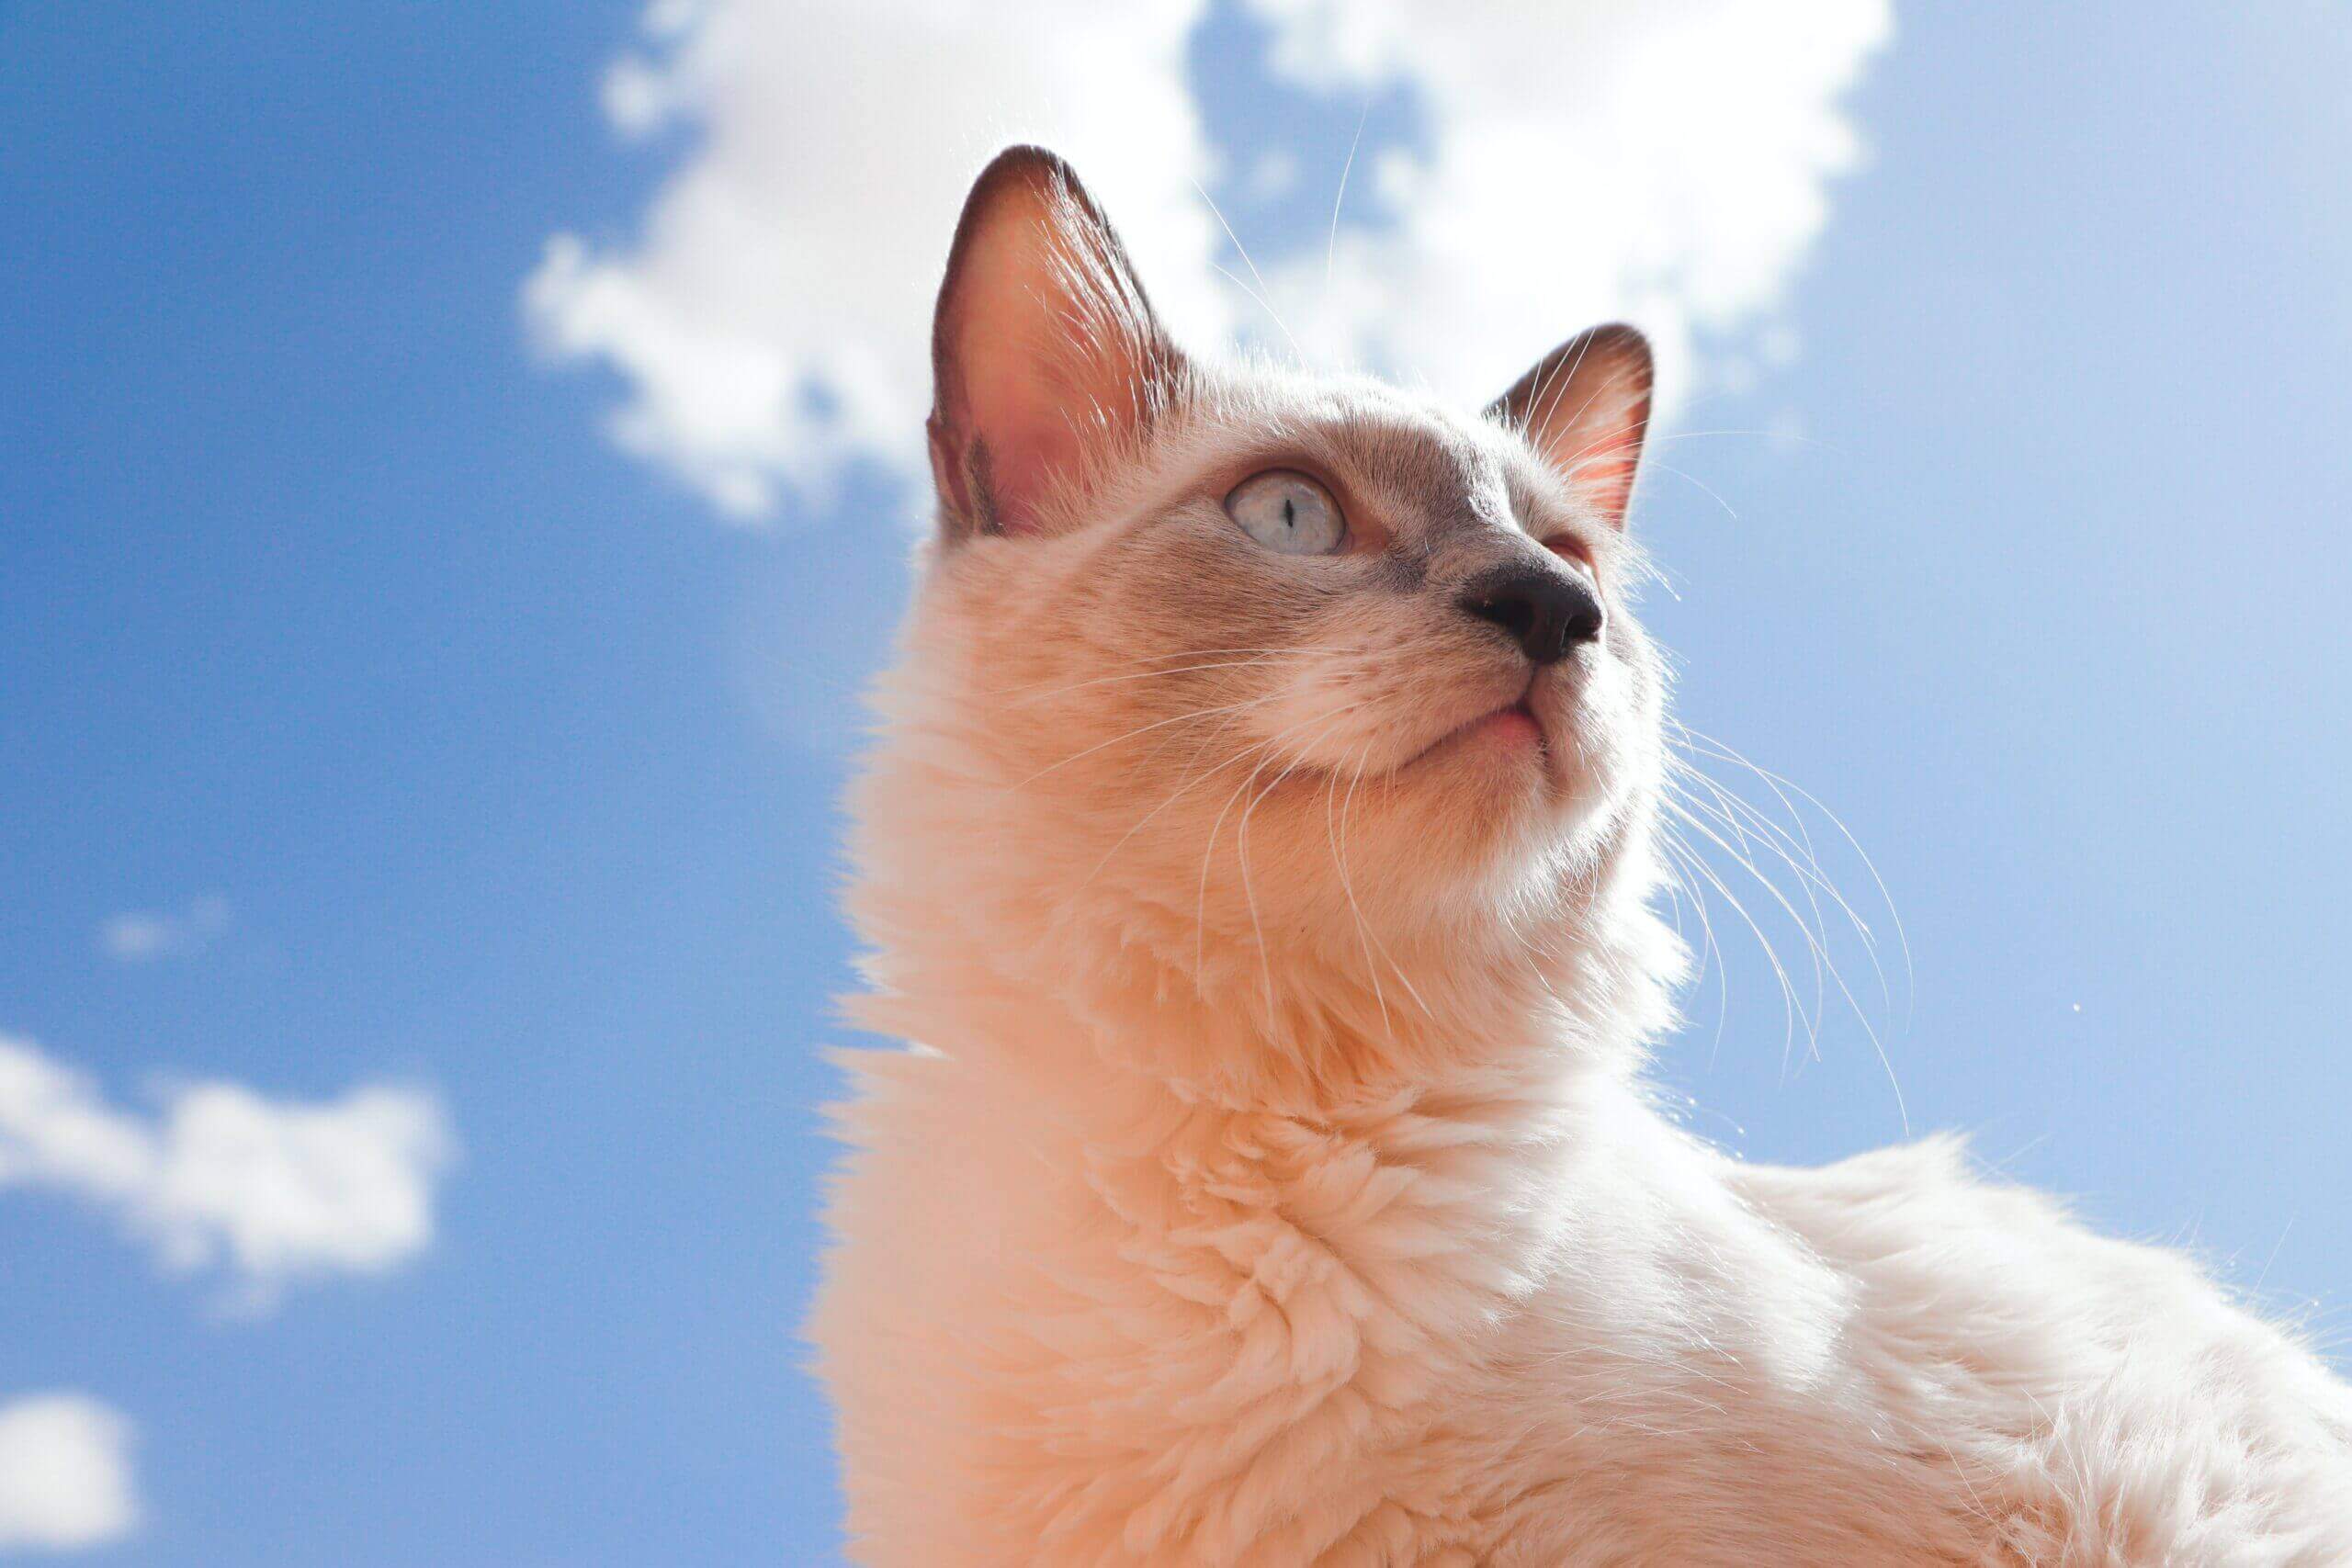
(1515, 613)
(1548, 613)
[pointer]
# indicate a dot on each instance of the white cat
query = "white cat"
(1260, 853)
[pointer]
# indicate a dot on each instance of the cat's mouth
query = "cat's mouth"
(1512, 725)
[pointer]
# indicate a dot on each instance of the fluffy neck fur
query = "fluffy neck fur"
(1278, 1229)
(1054, 969)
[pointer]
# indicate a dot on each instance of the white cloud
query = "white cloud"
(269, 1192)
(64, 1473)
(775, 315)
(1666, 162)
(137, 936)
(1273, 175)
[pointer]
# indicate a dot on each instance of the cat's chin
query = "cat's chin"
(1497, 766)
(1516, 789)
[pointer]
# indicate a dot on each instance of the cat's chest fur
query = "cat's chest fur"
(1503, 1324)
(1517, 1321)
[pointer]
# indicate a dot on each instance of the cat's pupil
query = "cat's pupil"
(1290, 512)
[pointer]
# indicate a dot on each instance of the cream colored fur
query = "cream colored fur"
(1269, 1178)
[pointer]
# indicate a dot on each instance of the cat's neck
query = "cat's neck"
(1285, 1229)
(1259, 1189)
(991, 953)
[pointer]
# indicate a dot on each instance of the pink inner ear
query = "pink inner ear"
(1590, 427)
(1586, 407)
(1023, 416)
(1602, 466)
(1045, 345)
(1021, 479)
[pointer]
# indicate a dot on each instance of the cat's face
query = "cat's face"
(1261, 647)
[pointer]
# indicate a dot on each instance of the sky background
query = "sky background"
(440, 539)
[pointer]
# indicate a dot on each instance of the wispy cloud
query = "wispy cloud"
(265, 1193)
(65, 1479)
(138, 936)
(1667, 162)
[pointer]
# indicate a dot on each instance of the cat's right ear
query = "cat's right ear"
(1586, 409)
(1046, 356)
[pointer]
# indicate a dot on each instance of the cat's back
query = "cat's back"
(2105, 1402)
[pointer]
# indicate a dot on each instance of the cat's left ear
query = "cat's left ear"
(1586, 408)
(1046, 356)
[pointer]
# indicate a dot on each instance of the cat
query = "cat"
(1259, 854)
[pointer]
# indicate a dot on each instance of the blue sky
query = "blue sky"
(509, 760)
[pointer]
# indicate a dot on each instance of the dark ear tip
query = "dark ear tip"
(1025, 156)
(1023, 169)
(1627, 343)
(1039, 168)
(1615, 350)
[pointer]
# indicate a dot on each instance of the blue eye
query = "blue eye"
(1286, 512)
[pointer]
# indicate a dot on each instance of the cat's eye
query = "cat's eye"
(1285, 510)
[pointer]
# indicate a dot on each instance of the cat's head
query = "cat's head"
(1253, 660)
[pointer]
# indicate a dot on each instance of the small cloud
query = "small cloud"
(65, 1478)
(140, 936)
(269, 1192)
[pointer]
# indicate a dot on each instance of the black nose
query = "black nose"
(1546, 611)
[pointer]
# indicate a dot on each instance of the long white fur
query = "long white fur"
(1290, 1195)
